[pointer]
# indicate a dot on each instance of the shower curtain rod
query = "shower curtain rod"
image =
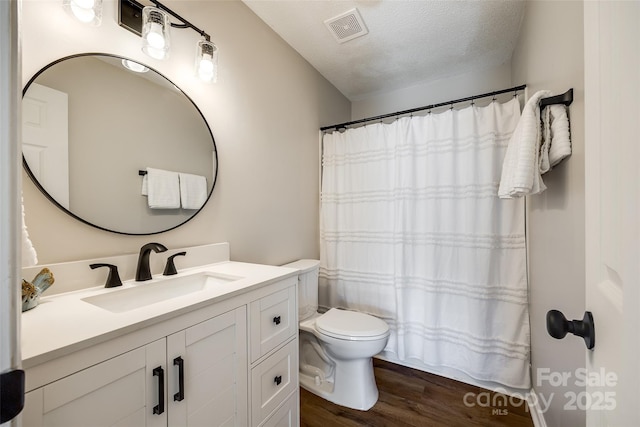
(565, 98)
(427, 107)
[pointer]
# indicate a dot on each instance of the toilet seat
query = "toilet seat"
(351, 325)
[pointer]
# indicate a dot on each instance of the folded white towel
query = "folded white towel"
(145, 185)
(193, 191)
(163, 189)
(29, 255)
(520, 168)
(560, 146)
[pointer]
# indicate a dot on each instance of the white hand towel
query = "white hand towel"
(29, 255)
(145, 185)
(560, 146)
(546, 140)
(556, 143)
(163, 188)
(193, 191)
(520, 168)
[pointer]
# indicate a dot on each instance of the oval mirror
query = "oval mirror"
(92, 127)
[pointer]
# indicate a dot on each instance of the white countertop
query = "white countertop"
(63, 323)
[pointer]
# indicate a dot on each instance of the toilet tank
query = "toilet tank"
(307, 286)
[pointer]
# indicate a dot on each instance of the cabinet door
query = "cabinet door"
(213, 355)
(118, 392)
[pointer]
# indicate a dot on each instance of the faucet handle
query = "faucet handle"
(113, 279)
(170, 268)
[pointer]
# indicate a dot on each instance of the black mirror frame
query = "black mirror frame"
(68, 212)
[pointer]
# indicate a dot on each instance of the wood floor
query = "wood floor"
(418, 399)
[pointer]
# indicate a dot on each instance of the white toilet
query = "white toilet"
(336, 347)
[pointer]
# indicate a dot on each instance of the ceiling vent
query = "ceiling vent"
(346, 26)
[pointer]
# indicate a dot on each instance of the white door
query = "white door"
(45, 139)
(612, 117)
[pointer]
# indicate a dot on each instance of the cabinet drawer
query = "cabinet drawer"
(273, 321)
(286, 415)
(272, 381)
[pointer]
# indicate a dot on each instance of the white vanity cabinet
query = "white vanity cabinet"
(195, 369)
(194, 377)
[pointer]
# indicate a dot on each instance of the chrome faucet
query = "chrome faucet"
(143, 271)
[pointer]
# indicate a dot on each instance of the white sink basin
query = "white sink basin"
(158, 290)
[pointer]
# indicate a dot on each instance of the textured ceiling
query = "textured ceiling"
(409, 41)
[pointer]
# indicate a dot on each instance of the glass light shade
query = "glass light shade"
(206, 66)
(86, 11)
(155, 32)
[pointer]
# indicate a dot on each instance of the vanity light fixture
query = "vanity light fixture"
(87, 11)
(206, 61)
(134, 66)
(152, 23)
(155, 32)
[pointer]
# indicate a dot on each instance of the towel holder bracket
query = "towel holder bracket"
(565, 98)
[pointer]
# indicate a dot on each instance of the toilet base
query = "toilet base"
(354, 385)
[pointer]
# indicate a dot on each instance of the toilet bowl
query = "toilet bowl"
(336, 347)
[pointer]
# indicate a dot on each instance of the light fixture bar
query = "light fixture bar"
(130, 17)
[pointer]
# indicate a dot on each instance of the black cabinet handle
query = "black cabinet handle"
(276, 320)
(159, 408)
(179, 396)
(558, 326)
(278, 379)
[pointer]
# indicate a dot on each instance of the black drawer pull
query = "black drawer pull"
(159, 408)
(179, 396)
(278, 379)
(276, 320)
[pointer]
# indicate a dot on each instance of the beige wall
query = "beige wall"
(549, 55)
(264, 113)
(433, 92)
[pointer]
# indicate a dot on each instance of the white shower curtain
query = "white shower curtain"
(412, 231)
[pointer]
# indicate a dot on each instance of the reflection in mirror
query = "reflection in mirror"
(90, 125)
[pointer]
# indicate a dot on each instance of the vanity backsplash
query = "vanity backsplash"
(77, 275)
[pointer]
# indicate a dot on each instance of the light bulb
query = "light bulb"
(83, 14)
(84, 4)
(155, 37)
(206, 65)
(155, 53)
(86, 11)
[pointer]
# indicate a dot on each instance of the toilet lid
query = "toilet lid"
(350, 325)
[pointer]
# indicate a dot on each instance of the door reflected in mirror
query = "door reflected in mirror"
(90, 124)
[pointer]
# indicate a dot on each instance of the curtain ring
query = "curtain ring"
(451, 108)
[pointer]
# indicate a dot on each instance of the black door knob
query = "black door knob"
(558, 326)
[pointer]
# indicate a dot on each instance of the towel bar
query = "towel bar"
(566, 99)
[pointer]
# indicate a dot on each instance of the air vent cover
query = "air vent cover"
(346, 26)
